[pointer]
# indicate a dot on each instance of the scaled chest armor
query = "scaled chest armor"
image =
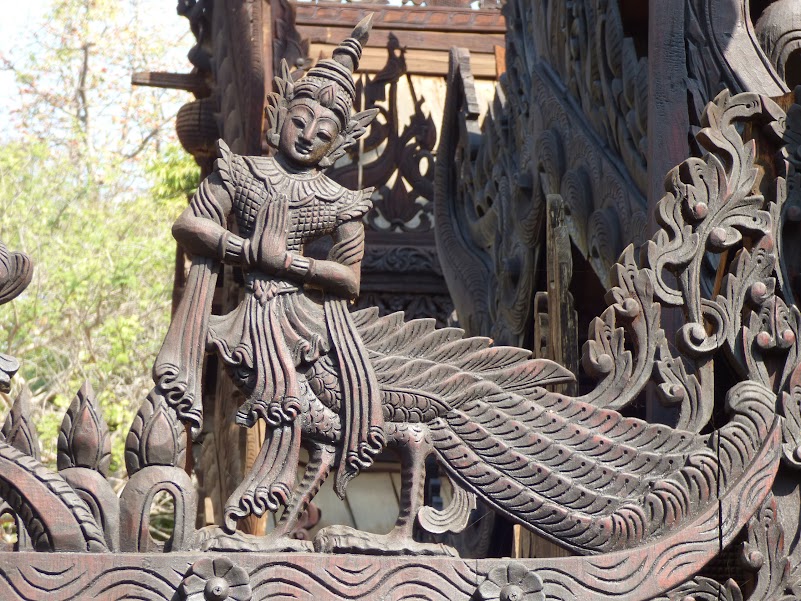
(317, 204)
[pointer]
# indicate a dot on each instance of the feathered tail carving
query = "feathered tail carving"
(585, 476)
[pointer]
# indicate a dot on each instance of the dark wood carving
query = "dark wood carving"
(644, 506)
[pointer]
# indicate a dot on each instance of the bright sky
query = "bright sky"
(20, 17)
(18, 20)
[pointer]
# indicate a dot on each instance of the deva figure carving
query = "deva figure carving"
(346, 385)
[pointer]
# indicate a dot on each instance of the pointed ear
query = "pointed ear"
(357, 126)
(285, 70)
(283, 82)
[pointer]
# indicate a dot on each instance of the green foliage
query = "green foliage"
(90, 181)
(99, 303)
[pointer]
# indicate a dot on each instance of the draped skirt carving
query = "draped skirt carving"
(263, 341)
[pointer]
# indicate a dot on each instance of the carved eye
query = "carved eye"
(324, 136)
(298, 122)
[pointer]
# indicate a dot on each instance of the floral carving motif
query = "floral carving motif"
(215, 580)
(511, 582)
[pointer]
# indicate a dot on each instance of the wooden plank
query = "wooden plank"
(418, 62)
(191, 82)
(409, 39)
(406, 17)
(668, 131)
(500, 60)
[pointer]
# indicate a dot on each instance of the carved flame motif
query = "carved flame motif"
(156, 437)
(18, 429)
(84, 438)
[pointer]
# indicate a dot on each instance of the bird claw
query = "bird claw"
(216, 539)
(343, 539)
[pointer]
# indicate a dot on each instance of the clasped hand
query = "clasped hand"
(268, 249)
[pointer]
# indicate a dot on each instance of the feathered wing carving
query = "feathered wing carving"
(574, 468)
(585, 476)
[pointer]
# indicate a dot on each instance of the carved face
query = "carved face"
(308, 133)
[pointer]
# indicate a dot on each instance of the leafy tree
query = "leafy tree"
(90, 180)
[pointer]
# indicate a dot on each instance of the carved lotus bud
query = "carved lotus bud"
(215, 580)
(84, 439)
(18, 431)
(511, 582)
(156, 437)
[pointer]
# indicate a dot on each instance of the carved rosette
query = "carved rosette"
(217, 579)
(512, 582)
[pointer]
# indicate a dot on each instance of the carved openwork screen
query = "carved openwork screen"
(403, 73)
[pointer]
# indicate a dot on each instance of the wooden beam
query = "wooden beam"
(418, 62)
(409, 39)
(668, 134)
(191, 82)
(427, 18)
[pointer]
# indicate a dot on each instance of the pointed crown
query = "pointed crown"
(329, 82)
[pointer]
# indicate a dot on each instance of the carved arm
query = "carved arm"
(341, 273)
(201, 228)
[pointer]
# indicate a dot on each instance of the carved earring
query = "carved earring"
(337, 150)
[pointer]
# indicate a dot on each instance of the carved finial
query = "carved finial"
(16, 270)
(18, 430)
(349, 51)
(84, 439)
(157, 437)
(361, 32)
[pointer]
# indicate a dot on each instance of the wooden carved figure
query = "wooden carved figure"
(643, 507)
(346, 385)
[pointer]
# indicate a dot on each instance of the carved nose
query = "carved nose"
(306, 135)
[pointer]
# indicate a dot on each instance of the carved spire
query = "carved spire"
(84, 439)
(18, 429)
(157, 437)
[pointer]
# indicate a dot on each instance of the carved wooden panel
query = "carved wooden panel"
(647, 509)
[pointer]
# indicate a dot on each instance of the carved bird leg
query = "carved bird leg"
(321, 459)
(413, 445)
(278, 540)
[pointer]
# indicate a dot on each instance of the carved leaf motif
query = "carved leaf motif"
(678, 388)
(777, 579)
(156, 437)
(708, 205)
(453, 518)
(84, 438)
(791, 424)
(18, 429)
